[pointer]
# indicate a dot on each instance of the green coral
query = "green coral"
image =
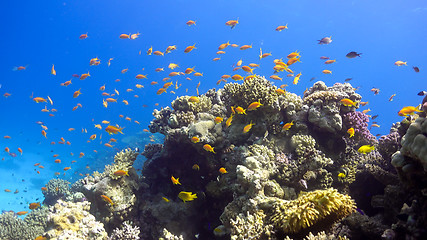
(14, 228)
(254, 89)
(123, 160)
(183, 104)
(310, 208)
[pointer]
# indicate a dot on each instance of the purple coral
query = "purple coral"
(389, 144)
(359, 122)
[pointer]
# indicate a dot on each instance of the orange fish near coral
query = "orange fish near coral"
(208, 148)
(107, 199)
(34, 205)
(350, 131)
(287, 126)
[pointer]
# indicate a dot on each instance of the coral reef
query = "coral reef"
(56, 189)
(311, 208)
(126, 232)
(121, 189)
(69, 220)
(253, 177)
(14, 228)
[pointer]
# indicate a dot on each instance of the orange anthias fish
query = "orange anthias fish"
(121, 173)
(53, 71)
(113, 130)
(208, 148)
(280, 28)
(232, 23)
(190, 48)
(34, 205)
(191, 22)
(77, 93)
(223, 170)
(254, 106)
(39, 100)
(287, 126)
(107, 199)
(248, 127)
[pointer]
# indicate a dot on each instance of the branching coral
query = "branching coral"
(311, 208)
(14, 228)
(126, 232)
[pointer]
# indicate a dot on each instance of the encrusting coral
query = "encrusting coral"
(311, 208)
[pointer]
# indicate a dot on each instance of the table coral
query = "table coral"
(311, 208)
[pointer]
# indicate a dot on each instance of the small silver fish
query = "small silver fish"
(325, 40)
(303, 183)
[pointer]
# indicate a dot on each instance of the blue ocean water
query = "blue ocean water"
(38, 34)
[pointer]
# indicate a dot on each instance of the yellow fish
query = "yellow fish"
(187, 196)
(222, 170)
(351, 132)
(175, 181)
(193, 99)
(410, 110)
(347, 102)
(366, 149)
(196, 167)
(165, 199)
(229, 120)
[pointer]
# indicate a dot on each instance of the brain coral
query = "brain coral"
(310, 208)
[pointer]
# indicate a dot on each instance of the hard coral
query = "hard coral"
(123, 160)
(14, 228)
(311, 208)
(183, 104)
(359, 122)
(254, 89)
(56, 189)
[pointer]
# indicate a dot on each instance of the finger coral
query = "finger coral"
(310, 208)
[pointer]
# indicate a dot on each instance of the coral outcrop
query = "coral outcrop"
(69, 220)
(311, 208)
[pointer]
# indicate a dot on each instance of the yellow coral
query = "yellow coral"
(310, 208)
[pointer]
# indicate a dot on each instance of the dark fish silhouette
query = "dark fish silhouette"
(353, 54)
(422, 93)
(416, 69)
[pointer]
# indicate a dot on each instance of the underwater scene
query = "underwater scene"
(213, 120)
